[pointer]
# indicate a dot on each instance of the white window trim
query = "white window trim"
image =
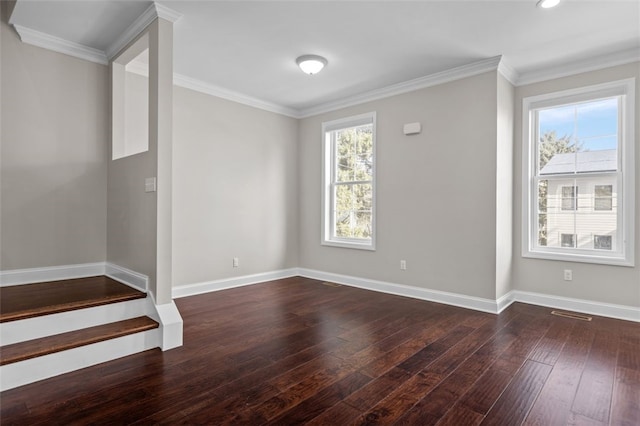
(327, 154)
(626, 185)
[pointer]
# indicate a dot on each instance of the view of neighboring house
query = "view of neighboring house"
(582, 208)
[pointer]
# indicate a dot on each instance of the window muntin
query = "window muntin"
(578, 174)
(349, 182)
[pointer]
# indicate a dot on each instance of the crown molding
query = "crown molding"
(142, 69)
(209, 89)
(595, 63)
(507, 71)
(166, 13)
(60, 45)
(153, 12)
(438, 78)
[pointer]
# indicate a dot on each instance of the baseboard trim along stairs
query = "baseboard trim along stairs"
(47, 329)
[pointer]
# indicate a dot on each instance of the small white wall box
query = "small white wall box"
(412, 128)
(150, 185)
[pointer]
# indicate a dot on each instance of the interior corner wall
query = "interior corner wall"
(235, 189)
(55, 128)
(131, 214)
(504, 186)
(436, 191)
(598, 283)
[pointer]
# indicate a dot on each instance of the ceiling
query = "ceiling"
(247, 49)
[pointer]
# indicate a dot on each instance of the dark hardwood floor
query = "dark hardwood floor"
(32, 300)
(296, 351)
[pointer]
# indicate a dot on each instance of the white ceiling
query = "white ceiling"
(249, 48)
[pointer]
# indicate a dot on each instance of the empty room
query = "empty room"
(320, 212)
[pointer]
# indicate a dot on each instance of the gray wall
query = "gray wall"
(235, 189)
(504, 186)
(131, 241)
(53, 159)
(601, 283)
(436, 192)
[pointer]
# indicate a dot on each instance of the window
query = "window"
(569, 194)
(578, 174)
(603, 197)
(349, 182)
(567, 240)
(602, 242)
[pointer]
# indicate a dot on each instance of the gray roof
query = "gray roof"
(582, 162)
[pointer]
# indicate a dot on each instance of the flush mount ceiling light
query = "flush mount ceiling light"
(311, 64)
(548, 4)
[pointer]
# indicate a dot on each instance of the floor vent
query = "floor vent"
(572, 315)
(331, 284)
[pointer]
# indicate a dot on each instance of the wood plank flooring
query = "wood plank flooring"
(296, 351)
(74, 339)
(31, 300)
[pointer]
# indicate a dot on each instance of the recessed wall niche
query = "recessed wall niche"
(130, 100)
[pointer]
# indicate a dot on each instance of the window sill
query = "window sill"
(581, 258)
(350, 245)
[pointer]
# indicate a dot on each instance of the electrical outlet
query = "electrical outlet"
(403, 265)
(568, 275)
(236, 262)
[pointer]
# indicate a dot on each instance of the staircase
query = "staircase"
(51, 328)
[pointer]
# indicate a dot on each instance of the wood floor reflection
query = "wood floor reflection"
(296, 351)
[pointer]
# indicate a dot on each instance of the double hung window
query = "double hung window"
(349, 182)
(578, 174)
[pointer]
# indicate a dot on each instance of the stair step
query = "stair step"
(61, 342)
(32, 300)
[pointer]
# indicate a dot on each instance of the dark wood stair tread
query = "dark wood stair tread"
(73, 339)
(32, 300)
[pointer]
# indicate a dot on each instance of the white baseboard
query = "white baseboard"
(127, 276)
(67, 272)
(505, 301)
(226, 283)
(35, 369)
(623, 312)
(455, 299)
(51, 273)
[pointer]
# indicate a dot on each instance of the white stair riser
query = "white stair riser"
(35, 369)
(34, 328)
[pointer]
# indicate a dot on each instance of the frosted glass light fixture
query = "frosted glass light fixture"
(311, 64)
(548, 4)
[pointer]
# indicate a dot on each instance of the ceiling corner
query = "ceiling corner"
(153, 12)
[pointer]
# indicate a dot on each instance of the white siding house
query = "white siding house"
(581, 209)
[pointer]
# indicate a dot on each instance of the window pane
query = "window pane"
(354, 154)
(353, 206)
(583, 207)
(543, 199)
(578, 138)
(542, 229)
